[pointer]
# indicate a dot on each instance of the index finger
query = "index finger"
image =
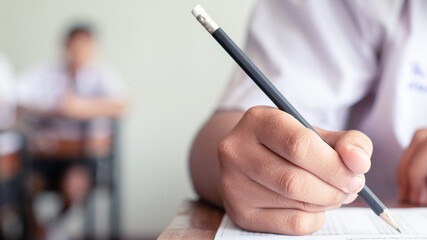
(284, 135)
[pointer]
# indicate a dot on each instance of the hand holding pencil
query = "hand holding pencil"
(277, 175)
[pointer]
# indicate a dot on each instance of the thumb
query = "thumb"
(354, 148)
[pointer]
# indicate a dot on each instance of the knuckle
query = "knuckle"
(277, 120)
(253, 113)
(300, 223)
(291, 183)
(298, 145)
(225, 151)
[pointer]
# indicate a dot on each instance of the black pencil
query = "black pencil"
(277, 98)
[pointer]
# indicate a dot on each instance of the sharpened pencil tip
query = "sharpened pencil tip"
(386, 216)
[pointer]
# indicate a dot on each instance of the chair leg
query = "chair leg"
(90, 217)
(24, 210)
(115, 204)
(25, 199)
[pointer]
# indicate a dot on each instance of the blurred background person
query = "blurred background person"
(10, 159)
(68, 109)
(173, 75)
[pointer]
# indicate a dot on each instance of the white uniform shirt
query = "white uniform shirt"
(344, 65)
(9, 141)
(42, 88)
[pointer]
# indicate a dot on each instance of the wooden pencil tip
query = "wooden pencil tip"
(386, 216)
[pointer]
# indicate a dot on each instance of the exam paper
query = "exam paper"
(346, 224)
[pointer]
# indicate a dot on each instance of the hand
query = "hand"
(278, 176)
(72, 106)
(83, 108)
(412, 170)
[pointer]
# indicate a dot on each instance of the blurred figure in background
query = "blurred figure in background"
(10, 164)
(68, 108)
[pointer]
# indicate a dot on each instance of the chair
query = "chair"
(106, 172)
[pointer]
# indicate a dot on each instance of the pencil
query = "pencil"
(278, 99)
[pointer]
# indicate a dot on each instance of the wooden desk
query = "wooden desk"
(195, 220)
(200, 220)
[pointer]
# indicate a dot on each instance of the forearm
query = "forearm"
(23, 112)
(95, 108)
(204, 165)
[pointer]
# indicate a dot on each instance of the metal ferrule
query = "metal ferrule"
(207, 22)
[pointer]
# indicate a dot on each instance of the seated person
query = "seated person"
(344, 65)
(68, 109)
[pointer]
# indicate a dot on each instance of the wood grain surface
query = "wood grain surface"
(195, 220)
(200, 220)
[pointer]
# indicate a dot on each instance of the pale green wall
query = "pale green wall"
(175, 72)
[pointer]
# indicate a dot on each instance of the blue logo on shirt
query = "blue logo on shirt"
(418, 79)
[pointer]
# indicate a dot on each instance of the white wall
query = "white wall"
(175, 72)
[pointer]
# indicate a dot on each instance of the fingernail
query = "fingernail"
(363, 156)
(359, 150)
(355, 184)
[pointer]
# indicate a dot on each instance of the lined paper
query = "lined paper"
(346, 224)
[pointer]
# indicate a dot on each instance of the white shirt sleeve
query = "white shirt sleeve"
(113, 85)
(100, 81)
(316, 54)
(41, 87)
